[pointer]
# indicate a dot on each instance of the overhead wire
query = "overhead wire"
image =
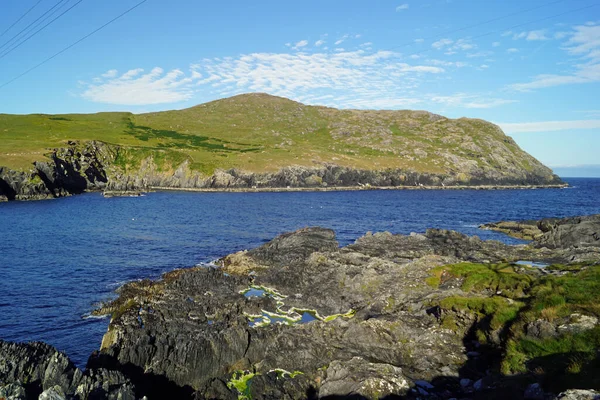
(23, 41)
(20, 18)
(32, 23)
(73, 44)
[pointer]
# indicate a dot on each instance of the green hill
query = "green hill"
(261, 134)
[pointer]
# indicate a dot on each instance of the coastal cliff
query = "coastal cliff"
(256, 141)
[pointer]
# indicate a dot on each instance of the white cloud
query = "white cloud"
(110, 73)
(549, 126)
(419, 40)
(536, 35)
(402, 7)
(584, 43)
(442, 43)
(300, 44)
(496, 44)
(465, 100)
(358, 79)
(452, 47)
(319, 43)
(136, 88)
(539, 34)
(512, 50)
(457, 64)
(560, 35)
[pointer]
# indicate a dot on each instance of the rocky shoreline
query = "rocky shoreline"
(97, 166)
(438, 315)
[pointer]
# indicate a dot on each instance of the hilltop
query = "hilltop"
(259, 136)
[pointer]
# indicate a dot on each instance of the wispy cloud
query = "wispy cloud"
(300, 44)
(135, 87)
(341, 40)
(531, 35)
(549, 126)
(584, 43)
(465, 100)
(354, 78)
(319, 43)
(402, 7)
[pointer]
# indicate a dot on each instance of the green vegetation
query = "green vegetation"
(240, 381)
(499, 278)
(555, 299)
(261, 133)
(567, 305)
(499, 310)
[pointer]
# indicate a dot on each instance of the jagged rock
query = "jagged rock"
(13, 391)
(37, 365)
(359, 377)
(527, 230)
(578, 323)
(541, 329)
(37, 369)
(69, 170)
(53, 393)
(578, 394)
(197, 319)
(567, 232)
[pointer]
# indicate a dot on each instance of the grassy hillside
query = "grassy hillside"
(262, 133)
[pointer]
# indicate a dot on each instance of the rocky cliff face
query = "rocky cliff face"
(91, 166)
(29, 371)
(70, 170)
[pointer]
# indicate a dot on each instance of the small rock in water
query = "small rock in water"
(465, 382)
(534, 392)
(424, 384)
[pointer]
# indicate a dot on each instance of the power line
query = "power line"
(31, 27)
(22, 42)
(31, 24)
(73, 44)
(20, 18)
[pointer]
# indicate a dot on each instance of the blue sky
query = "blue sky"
(531, 66)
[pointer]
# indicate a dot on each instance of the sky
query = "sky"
(532, 67)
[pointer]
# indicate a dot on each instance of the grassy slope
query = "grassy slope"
(567, 360)
(264, 133)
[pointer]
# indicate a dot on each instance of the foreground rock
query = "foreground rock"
(554, 233)
(299, 315)
(37, 369)
(436, 315)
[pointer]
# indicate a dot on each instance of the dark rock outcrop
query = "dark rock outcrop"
(353, 319)
(299, 317)
(37, 369)
(554, 233)
(71, 170)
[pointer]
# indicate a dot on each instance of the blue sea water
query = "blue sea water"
(58, 258)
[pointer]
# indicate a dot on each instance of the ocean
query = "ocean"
(59, 258)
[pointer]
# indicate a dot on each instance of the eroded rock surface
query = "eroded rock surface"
(318, 314)
(418, 316)
(37, 369)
